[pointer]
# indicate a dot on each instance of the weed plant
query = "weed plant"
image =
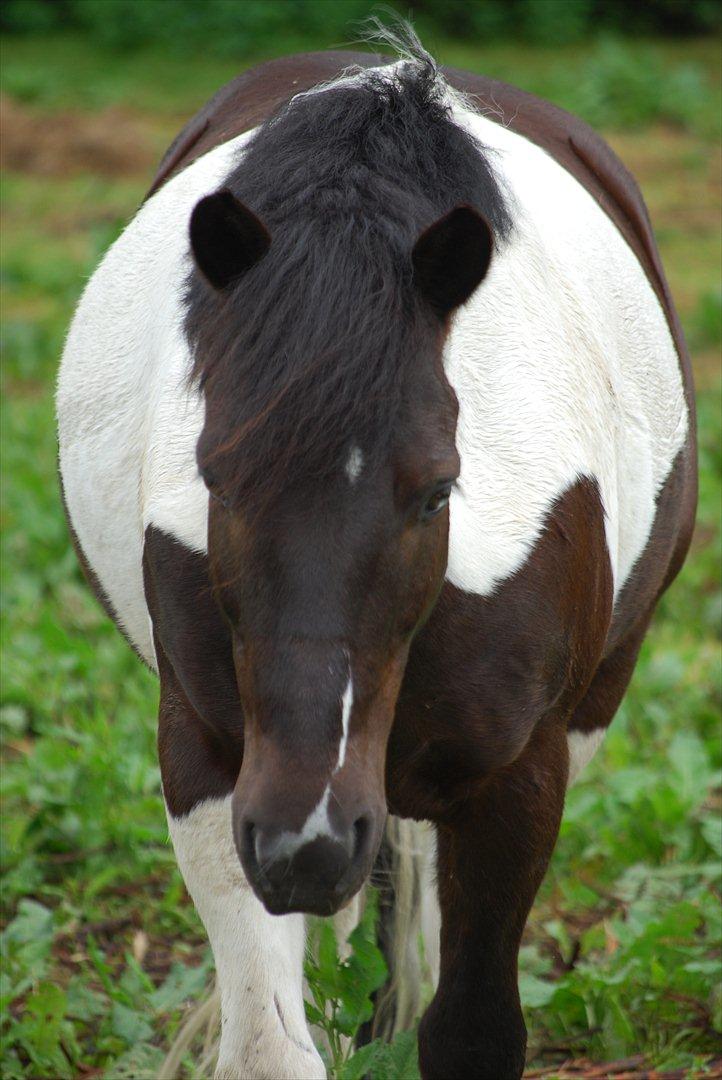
(103, 955)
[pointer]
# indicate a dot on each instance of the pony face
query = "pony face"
(324, 585)
(328, 536)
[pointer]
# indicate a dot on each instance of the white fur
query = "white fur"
(429, 900)
(318, 822)
(564, 367)
(346, 707)
(582, 748)
(354, 464)
(259, 957)
(127, 422)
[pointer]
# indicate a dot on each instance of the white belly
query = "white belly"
(562, 362)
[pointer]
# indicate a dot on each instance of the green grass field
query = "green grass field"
(103, 953)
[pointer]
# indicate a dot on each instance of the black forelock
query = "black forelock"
(312, 350)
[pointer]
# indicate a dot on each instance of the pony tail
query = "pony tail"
(409, 925)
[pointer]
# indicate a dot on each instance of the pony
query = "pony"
(377, 442)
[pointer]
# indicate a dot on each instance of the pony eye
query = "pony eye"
(211, 483)
(436, 502)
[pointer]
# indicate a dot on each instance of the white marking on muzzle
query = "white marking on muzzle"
(346, 706)
(318, 822)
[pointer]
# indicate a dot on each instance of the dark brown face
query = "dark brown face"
(324, 577)
(324, 587)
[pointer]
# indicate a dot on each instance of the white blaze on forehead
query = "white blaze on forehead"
(354, 464)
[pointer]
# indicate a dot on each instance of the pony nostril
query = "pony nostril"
(250, 842)
(361, 829)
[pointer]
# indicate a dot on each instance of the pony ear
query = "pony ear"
(451, 258)
(227, 238)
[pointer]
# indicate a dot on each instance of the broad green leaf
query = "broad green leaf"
(359, 1064)
(129, 1025)
(535, 993)
(32, 923)
(313, 1014)
(399, 1061)
(691, 765)
(182, 983)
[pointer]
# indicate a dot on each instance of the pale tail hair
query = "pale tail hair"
(413, 934)
(412, 954)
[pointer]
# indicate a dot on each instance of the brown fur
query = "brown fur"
(478, 740)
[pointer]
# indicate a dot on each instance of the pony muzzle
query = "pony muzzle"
(315, 868)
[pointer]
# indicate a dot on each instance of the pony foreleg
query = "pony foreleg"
(259, 957)
(492, 856)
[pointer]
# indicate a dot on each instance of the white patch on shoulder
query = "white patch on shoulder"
(582, 748)
(564, 367)
(128, 422)
(354, 464)
(259, 957)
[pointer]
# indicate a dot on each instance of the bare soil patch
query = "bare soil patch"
(680, 175)
(113, 142)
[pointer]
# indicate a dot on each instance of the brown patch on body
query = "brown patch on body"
(200, 733)
(484, 670)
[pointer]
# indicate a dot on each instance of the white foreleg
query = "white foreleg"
(259, 957)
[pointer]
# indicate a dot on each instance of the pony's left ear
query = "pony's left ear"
(227, 238)
(451, 258)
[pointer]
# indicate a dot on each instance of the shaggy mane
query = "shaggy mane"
(312, 350)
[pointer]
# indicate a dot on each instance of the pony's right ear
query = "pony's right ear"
(227, 238)
(451, 258)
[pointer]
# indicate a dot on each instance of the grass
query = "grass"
(102, 949)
